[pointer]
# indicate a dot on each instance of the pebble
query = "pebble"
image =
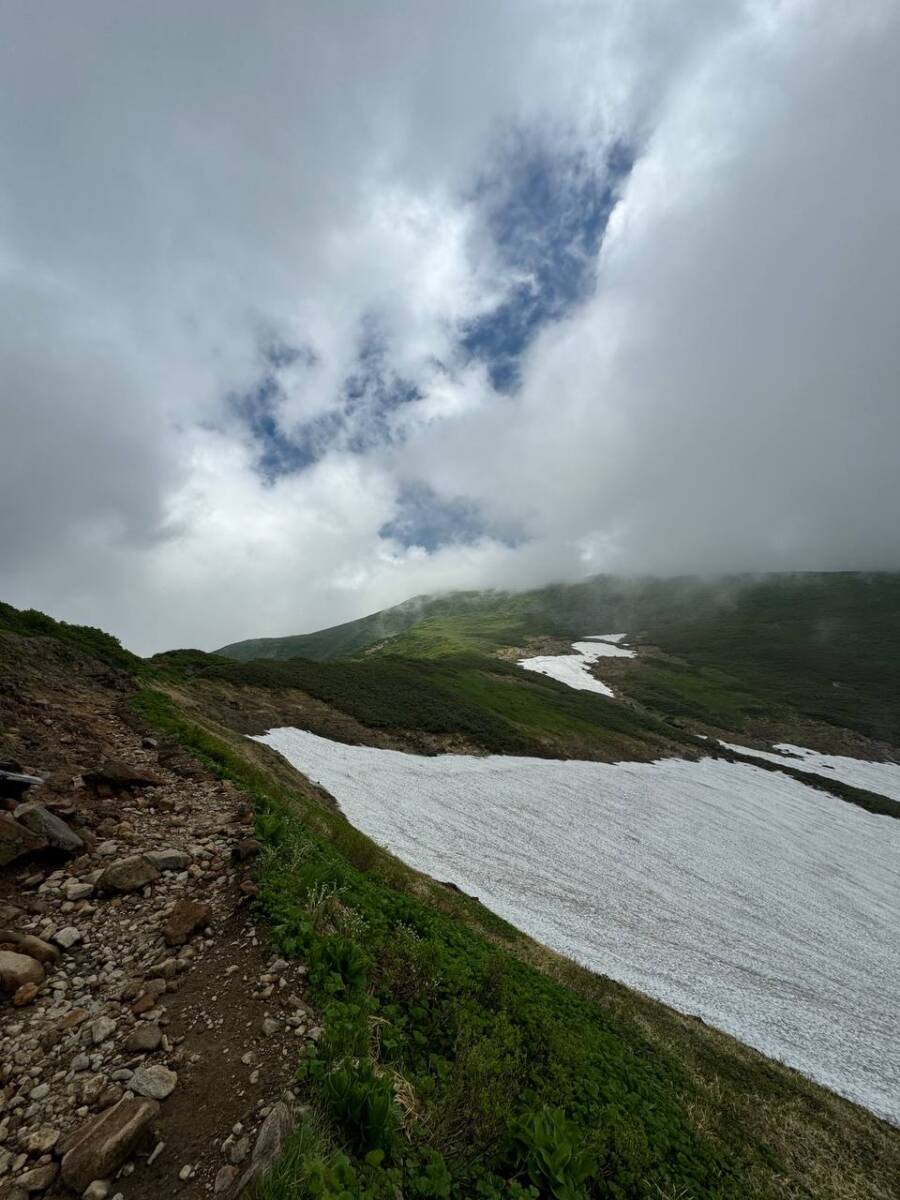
(99, 1189)
(186, 1171)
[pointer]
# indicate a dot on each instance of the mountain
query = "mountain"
(816, 647)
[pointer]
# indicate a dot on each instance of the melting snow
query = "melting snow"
(574, 669)
(878, 777)
(764, 906)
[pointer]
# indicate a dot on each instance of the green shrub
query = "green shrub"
(549, 1149)
(362, 1103)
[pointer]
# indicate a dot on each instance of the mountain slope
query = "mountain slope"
(821, 648)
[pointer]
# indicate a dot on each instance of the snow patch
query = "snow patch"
(881, 778)
(574, 669)
(762, 905)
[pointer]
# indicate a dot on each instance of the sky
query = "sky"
(312, 307)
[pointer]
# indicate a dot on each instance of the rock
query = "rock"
(185, 919)
(269, 1027)
(119, 775)
(17, 840)
(248, 887)
(47, 825)
(11, 914)
(27, 943)
(224, 1179)
(68, 937)
(128, 874)
(245, 849)
(97, 1189)
(18, 969)
(169, 860)
(25, 995)
(143, 1040)
(186, 1171)
(38, 1179)
(41, 1140)
(157, 1082)
(102, 1145)
(101, 1029)
(273, 1133)
(149, 743)
(76, 890)
(239, 1150)
(144, 1003)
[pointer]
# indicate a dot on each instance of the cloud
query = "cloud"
(492, 385)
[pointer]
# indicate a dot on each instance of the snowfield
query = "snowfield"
(743, 896)
(574, 669)
(878, 777)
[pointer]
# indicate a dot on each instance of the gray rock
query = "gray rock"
(128, 874)
(97, 1189)
(48, 825)
(68, 937)
(239, 1150)
(169, 860)
(102, 1145)
(11, 914)
(101, 1029)
(38, 1179)
(273, 1133)
(78, 890)
(157, 1082)
(143, 1040)
(224, 1179)
(17, 840)
(18, 969)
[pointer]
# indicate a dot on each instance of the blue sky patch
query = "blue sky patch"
(546, 218)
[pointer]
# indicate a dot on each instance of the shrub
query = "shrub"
(362, 1103)
(548, 1149)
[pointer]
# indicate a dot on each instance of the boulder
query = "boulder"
(169, 860)
(17, 840)
(103, 1144)
(119, 775)
(48, 825)
(128, 874)
(18, 969)
(185, 919)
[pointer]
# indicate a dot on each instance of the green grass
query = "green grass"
(452, 1067)
(84, 638)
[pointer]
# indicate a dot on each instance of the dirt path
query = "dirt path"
(164, 1031)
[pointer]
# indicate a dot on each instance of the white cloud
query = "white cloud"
(181, 183)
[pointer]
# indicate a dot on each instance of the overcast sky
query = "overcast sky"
(306, 308)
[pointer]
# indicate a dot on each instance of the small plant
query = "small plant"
(362, 1104)
(548, 1148)
(340, 967)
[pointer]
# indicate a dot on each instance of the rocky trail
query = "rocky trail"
(148, 1034)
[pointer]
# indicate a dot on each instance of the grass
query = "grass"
(94, 642)
(462, 1060)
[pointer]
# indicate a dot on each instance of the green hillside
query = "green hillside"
(817, 647)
